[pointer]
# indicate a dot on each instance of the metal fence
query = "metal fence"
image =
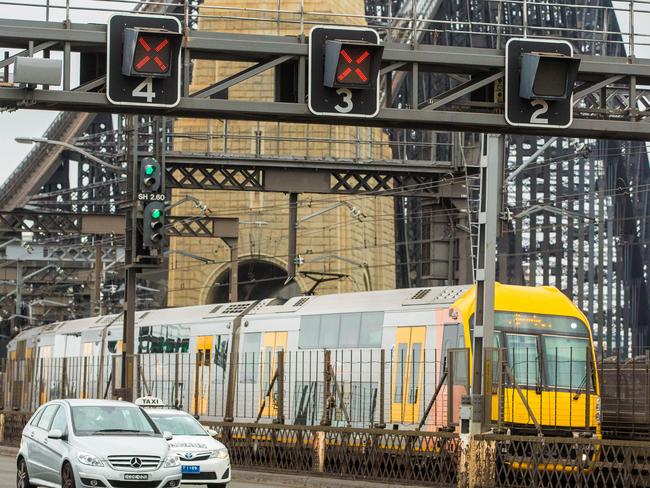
(411, 457)
(359, 388)
(625, 396)
(410, 22)
(552, 462)
(407, 387)
(422, 458)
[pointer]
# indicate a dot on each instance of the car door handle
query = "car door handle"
(31, 434)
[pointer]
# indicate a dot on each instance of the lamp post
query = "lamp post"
(70, 147)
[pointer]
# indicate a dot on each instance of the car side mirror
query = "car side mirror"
(168, 436)
(212, 433)
(56, 434)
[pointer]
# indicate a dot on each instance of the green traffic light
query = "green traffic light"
(149, 169)
(156, 213)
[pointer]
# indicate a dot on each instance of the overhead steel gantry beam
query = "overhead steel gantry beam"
(599, 77)
(265, 173)
(66, 223)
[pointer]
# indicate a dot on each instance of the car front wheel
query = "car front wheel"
(67, 477)
(22, 476)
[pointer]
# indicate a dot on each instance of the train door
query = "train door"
(29, 377)
(45, 364)
(204, 346)
(272, 342)
(408, 364)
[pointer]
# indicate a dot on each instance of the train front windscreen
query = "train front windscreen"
(545, 351)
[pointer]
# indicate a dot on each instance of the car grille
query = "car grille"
(124, 462)
(197, 457)
(133, 484)
(199, 476)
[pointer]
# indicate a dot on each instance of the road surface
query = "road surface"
(8, 477)
(242, 479)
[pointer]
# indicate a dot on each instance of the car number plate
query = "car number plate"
(191, 469)
(136, 477)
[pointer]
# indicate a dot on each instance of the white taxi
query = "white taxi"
(204, 460)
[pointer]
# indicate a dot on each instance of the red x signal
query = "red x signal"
(355, 62)
(152, 58)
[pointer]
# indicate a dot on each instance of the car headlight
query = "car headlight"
(172, 461)
(220, 453)
(89, 459)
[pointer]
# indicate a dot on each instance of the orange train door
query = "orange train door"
(408, 359)
(202, 381)
(272, 342)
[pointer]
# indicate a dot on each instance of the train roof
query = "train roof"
(383, 300)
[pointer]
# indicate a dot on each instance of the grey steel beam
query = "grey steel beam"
(66, 223)
(299, 113)
(15, 33)
(389, 166)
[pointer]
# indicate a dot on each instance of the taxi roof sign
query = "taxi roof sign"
(149, 401)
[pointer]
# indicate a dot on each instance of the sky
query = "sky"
(32, 123)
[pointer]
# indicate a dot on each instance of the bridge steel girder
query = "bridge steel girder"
(222, 172)
(592, 119)
(66, 223)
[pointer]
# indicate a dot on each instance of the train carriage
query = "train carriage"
(385, 354)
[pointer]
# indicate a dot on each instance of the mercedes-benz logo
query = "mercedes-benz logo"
(136, 462)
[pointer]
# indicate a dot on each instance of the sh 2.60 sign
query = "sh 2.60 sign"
(151, 197)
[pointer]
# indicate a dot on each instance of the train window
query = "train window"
(452, 337)
(221, 352)
(565, 361)
(341, 330)
(309, 332)
(329, 330)
(350, 330)
(371, 329)
(523, 358)
(400, 372)
(249, 363)
(414, 383)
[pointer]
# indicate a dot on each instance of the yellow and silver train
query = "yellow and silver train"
(387, 353)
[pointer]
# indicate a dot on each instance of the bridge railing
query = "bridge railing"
(408, 386)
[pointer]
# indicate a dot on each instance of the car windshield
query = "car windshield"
(111, 420)
(177, 424)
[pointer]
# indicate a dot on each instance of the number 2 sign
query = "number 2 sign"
(535, 112)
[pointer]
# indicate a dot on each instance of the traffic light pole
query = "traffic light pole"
(293, 229)
(130, 251)
(488, 218)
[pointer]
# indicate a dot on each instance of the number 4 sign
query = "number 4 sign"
(143, 60)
